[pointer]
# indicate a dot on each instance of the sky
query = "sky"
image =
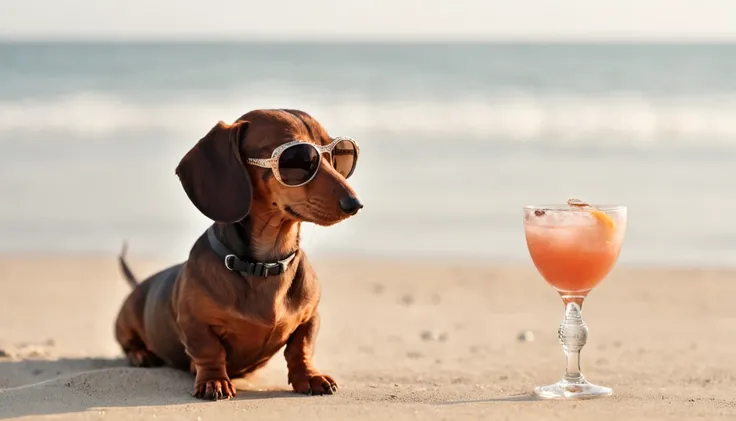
(578, 20)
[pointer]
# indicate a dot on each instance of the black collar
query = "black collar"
(235, 264)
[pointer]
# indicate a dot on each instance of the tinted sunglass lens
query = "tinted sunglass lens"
(298, 164)
(344, 158)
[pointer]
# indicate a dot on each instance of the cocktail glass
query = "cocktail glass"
(574, 247)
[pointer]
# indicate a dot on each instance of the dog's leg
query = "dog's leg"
(208, 360)
(137, 354)
(129, 334)
(304, 378)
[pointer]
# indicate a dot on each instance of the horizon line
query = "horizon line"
(259, 39)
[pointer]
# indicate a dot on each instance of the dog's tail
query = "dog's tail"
(132, 281)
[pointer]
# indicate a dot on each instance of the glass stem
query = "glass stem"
(573, 334)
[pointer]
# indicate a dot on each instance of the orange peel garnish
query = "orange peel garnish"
(604, 219)
(598, 214)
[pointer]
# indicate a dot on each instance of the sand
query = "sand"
(406, 340)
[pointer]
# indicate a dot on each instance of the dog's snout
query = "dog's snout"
(350, 205)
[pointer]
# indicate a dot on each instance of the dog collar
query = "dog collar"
(235, 264)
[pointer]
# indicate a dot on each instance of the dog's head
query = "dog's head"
(221, 183)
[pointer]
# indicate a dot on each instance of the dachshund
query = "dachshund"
(247, 289)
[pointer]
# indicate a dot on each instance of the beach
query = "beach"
(406, 339)
(431, 306)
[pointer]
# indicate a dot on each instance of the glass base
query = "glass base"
(565, 389)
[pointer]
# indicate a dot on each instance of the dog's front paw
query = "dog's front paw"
(318, 384)
(213, 389)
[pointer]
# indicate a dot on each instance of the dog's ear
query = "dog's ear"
(214, 177)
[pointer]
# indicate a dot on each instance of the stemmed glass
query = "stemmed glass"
(574, 247)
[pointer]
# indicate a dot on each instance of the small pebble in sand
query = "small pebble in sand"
(4, 354)
(527, 336)
(429, 335)
(407, 299)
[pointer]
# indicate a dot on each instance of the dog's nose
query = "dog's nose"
(350, 205)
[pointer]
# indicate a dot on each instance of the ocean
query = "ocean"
(455, 139)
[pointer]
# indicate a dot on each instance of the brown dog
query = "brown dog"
(247, 289)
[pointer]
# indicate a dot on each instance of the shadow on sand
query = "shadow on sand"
(513, 398)
(62, 386)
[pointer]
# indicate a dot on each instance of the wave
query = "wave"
(626, 118)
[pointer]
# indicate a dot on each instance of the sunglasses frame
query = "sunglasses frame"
(273, 161)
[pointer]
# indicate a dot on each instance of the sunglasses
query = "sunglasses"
(296, 163)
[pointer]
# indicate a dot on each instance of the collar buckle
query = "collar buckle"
(230, 262)
(234, 264)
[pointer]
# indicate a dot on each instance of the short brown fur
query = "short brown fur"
(218, 324)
